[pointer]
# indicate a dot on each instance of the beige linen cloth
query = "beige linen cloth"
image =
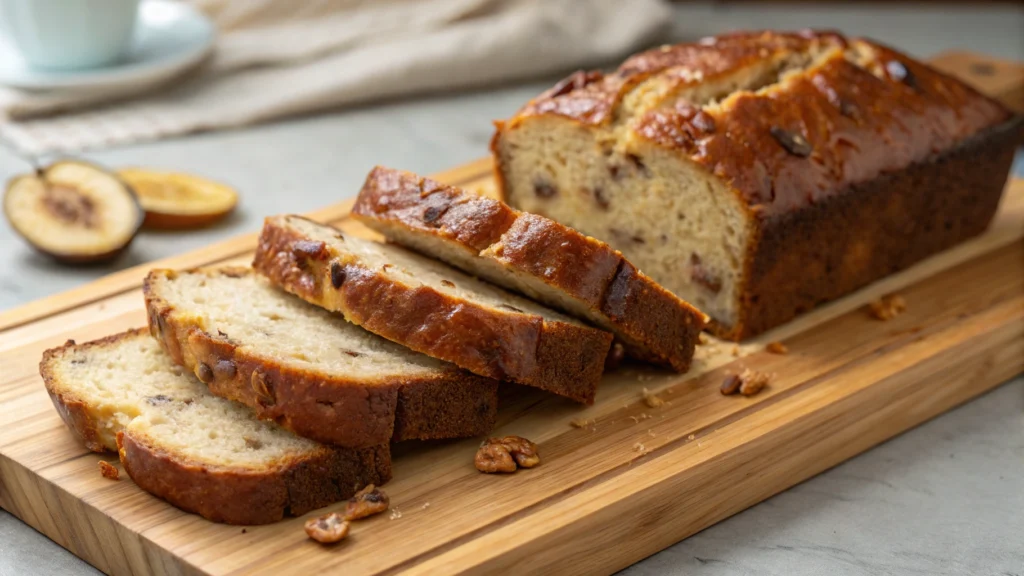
(275, 58)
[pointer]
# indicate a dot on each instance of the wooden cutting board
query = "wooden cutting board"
(633, 480)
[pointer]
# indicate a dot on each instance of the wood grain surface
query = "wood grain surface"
(632, 481)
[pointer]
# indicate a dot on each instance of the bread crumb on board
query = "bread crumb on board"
(887, 307)
(395, 514)
(651, 399)
(582, 422)
(776, 348)
(109, 471)
(748, 383)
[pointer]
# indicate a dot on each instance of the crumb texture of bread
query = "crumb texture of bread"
(758, 174)
(202, 453)
(305, 368)
(433, 308)
(534, 256)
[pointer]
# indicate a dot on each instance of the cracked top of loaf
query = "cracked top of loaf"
(785, 118)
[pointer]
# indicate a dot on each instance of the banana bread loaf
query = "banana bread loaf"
(201, 453)
(535, 256)
(307, 369)
(756, 175)
(433, 308)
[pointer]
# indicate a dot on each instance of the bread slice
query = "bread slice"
(535, 256)
(306, 368)
(433, 308)
(759, 174)
(201, 453)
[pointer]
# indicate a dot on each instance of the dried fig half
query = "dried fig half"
(177, 201)
(73, 211)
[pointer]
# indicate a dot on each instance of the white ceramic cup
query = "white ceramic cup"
(69, 34)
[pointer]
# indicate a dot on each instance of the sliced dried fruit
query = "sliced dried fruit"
(175, 201)
(73, 211)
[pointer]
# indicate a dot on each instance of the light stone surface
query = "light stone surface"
(944, 498)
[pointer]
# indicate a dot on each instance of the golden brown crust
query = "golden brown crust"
(249, 497)
(73, 410)
(856, 125)
(858, 120)
(860, 117)
(324, 407)
(76, 416)
(937, 203)
(243, 495)
(656, 325)
(563, 358)
(591, 97)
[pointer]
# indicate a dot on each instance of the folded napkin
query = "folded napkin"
(275, 58)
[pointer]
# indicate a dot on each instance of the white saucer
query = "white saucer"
(170, 38)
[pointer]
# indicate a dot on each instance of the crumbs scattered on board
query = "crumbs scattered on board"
(747, 383)
(652, 399)
(583, 423)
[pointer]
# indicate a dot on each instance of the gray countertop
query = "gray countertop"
(944, 498)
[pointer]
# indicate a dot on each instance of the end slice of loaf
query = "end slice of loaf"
(535, 256)
(433, 308)
(306, 368)
(201, 453)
